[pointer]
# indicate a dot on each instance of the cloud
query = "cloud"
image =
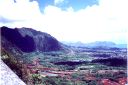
(21, 10)
(106, 21)
(57, 2)
(4, 20)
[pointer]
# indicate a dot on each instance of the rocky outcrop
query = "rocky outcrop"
(8, 77)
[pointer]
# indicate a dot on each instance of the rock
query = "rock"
(8, 77)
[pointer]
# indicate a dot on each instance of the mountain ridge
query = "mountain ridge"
(96, 44)
(29, 40)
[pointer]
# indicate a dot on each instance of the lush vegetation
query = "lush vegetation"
(84, 65)
(112, 61)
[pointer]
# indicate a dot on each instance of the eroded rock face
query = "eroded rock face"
(8, 77)
(29, 40)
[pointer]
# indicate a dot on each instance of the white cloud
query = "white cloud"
(106, 21)
(56, 2)
(22, 10)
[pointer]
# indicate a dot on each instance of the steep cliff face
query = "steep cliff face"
(28, 40)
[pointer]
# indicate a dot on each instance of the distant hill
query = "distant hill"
(121, 45)
(75, 44)
(101, 44)
(96, 44)
(28, 40)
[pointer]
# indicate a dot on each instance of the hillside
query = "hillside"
(28, 40)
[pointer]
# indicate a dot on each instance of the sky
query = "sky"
(69, 20)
